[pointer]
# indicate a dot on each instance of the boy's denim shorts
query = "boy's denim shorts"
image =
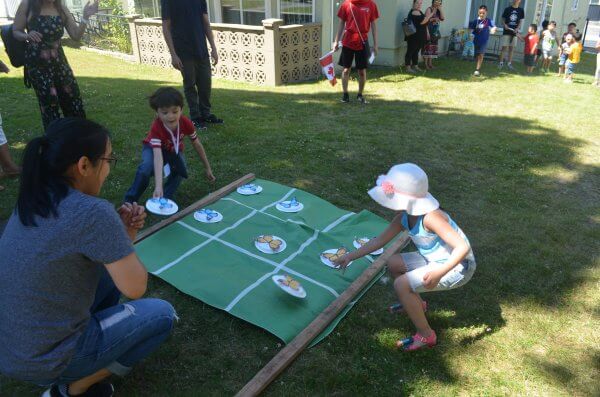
(570, 67)
(417, 266)
(563, 59)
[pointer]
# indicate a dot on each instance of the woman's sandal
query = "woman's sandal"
(397, 308)
(429, 342)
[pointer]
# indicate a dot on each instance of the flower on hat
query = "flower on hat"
(388, 188)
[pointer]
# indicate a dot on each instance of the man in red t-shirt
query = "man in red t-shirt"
(357, 18)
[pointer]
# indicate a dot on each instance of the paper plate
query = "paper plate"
(265, 248)
(279, 279)
(327, 262)
(161, 206)
(203, 215)
(295, 208)
(249, 189)
(357, 245)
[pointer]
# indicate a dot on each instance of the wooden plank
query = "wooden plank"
(285, 357)
(203, 202)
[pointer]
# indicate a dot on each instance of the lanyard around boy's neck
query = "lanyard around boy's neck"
(175, 140)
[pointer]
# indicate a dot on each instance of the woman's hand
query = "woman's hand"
(133, 217)
(34, 36)
(432, 279)
(90, 9)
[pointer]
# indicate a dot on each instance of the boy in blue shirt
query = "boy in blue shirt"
(481, 28)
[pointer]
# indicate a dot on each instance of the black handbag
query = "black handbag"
(408, 27)
(15, 49)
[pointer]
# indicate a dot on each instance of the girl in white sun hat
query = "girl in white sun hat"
(444, 259)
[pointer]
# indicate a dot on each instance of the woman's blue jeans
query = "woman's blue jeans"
(118, 335)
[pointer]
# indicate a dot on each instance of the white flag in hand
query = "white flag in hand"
(328, 67)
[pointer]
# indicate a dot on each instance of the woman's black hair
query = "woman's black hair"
(46, 160)
(165, 97)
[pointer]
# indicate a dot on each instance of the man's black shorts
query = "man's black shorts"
(348, 55)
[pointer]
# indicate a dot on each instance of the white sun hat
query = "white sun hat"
(405, 187)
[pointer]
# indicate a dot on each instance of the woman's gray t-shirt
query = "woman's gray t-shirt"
(48, 279)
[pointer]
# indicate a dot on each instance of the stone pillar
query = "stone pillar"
(272, 51)
(134, 39)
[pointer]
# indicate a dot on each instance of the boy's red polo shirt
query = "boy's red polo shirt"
(159, 137)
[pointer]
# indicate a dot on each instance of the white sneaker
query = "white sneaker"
(500, 65)
(568, 81)
(510, 66)
(476, 73)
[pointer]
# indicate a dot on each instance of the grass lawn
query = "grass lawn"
(514, 159)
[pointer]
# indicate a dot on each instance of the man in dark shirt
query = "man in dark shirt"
(186, 28)
(512, 17)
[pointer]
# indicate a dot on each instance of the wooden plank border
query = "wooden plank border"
(203, 202)
(286, 355)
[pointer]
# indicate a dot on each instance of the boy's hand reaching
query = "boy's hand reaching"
(210, 177)
(158, 192)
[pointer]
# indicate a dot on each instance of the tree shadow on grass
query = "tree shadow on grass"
(513, 186)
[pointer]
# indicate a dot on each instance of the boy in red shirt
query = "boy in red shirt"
(531, 40)
(163, 146)
(357, 18)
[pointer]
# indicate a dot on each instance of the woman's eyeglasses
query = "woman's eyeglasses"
(111, 160)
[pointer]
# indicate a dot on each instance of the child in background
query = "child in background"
(597, 75)
(481, 28)
(8, 166)
(444, 259)
(563, 54)
(163, 146)
(469, 47)
(531, 42)
(575, 50)
(548, 44)
(538, 54)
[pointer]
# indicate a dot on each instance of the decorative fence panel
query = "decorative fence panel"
(271, 54)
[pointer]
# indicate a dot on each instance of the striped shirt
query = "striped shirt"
(160, 137)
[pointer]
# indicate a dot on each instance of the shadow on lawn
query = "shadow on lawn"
(502, 178)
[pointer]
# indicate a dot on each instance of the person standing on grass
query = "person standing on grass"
(46, 67)
(481, 28)
(512, 18)
(548, 38)
(436, 16)
(575, 49)
(67, 256)
(357, 19)
(416, 41)
(186, 28)
(531, 40)
(9, 168)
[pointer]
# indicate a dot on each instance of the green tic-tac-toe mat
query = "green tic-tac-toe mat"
(219, 263)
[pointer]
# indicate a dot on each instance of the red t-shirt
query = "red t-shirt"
(530, 41)
(365, 12)
(159, 136)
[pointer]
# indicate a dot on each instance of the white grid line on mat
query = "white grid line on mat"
(219, 234)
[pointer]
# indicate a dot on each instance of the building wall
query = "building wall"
(563, 14)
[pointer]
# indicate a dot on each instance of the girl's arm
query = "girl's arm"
(428, 15)
(375, 37)
(339, 34)
(74, 29)
(385, 237)
(437, 222)
(202, 154)
(129, 275)
(20, 23)
(158, 172)
(442, 17)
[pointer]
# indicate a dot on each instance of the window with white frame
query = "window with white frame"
(245, 12)
(495, 8)
(296, 11)
(575, 5)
